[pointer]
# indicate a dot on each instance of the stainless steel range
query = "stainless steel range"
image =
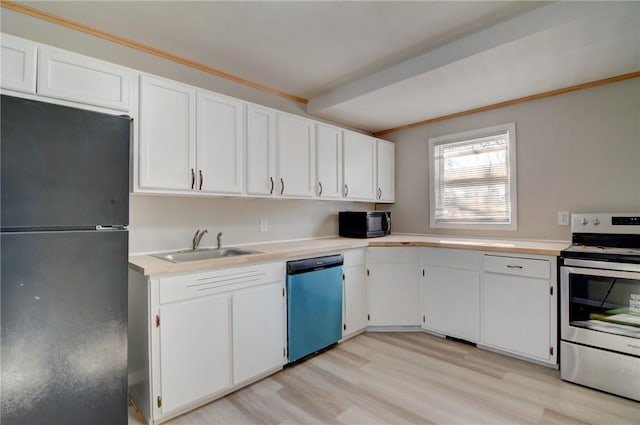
(600, 304)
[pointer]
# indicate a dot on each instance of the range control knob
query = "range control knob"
(584, 221)
(596, 221)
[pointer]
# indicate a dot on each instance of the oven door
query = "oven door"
(601, 308)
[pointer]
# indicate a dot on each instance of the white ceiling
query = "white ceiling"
(379, 64)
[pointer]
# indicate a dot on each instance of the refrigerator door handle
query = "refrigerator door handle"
(109, 227)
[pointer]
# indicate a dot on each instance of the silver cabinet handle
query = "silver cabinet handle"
(201, 180)
(514, 267)
(320, 185)
(282, 187)
(272, 184)
(193, 179)
(379, 193)
(346, 190)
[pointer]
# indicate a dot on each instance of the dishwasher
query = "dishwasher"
(314, 305)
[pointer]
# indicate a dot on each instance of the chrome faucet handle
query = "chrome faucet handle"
(197, 238)
(219, 239)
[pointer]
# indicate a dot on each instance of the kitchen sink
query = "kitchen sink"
(203, 254)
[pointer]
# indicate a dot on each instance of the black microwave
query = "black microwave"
(364, 224)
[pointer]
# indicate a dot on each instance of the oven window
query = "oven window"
(605, 304)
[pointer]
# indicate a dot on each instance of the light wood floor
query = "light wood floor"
(399, 378)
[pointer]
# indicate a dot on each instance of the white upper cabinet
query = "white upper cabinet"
(167, 135)
(18, 64)
(219, 139)
(78, 78)
(260, 162)
(359, 167)
(328, 162)
(386, 171)
(296, 156)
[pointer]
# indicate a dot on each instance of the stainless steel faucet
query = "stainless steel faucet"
(219, 239)
(197, 238)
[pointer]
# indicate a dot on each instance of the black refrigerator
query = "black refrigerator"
(64, 193)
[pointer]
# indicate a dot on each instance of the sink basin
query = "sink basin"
(203, 254)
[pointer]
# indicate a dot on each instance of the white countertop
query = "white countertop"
(149, 265)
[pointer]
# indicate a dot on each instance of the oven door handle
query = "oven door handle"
(601, 272)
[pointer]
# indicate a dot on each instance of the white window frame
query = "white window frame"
(471, 135)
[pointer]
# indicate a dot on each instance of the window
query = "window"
(473, 179)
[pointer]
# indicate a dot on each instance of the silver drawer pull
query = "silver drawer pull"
(514, 267)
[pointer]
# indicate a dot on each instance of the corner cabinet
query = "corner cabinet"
(519, 306)
(386, 154)
(451, 292)
(194, 337)
(394, 287)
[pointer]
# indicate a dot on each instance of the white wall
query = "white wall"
(576, 152)
(165, 223)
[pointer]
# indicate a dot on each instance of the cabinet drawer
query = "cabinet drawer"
(176, 288)
(518, 266)
(393, 255)
(355, 257)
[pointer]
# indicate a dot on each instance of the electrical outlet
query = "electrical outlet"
(264, 224)
(563, 218)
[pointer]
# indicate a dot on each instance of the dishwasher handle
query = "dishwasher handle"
(313, 264)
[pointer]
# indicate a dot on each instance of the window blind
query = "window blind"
(472, 181)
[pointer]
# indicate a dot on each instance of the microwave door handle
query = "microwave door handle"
(387, 223)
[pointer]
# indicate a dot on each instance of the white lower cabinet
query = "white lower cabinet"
(258, 331)
(356, 306)
(451, 292)
(209, 332)
(393, 287)
(519, 306)
(195, 350)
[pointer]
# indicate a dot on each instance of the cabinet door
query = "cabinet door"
(296, 156)
(18, 64)
(359, 166)
(220, 128)
(167, 135)
(69, 76)
(260, 151)
(452, 302)
(195, 350)
(515, 314)
(386, 171)
(394, 294)
(258, 331)
(355, 299)
(328, 161)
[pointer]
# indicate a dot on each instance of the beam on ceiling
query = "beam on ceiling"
(528, 23)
